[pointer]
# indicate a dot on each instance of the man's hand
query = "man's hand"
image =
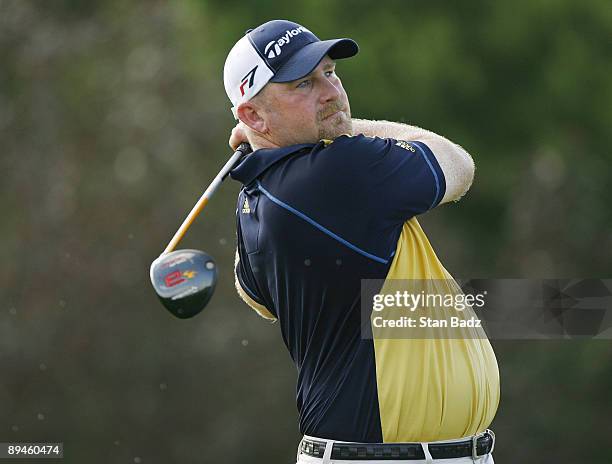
(238, 136)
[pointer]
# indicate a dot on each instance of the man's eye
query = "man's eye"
(330, 73)
(303, 84)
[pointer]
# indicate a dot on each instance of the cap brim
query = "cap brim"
(305, 60)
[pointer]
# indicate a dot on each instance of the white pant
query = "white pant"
(305, 459)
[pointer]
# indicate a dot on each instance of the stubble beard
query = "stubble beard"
(337, 125)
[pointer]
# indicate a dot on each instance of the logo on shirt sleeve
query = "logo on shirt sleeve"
(405, 146)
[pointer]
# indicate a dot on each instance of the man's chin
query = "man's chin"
(335, 126)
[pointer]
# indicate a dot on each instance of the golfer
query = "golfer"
(328, 200)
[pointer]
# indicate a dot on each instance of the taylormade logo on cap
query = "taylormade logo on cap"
(248, 79)
(277, 44)
(277, 51)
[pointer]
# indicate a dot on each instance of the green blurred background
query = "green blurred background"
(113, 118)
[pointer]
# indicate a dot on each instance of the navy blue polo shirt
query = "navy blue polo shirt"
(312, 221)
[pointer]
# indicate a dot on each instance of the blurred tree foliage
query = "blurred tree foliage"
(113, 118)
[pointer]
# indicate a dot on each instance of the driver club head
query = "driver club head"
(184, 281)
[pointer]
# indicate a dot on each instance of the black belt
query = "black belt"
(397, 451)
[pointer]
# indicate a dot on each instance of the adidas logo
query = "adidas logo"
(405, 146)
(245, 207)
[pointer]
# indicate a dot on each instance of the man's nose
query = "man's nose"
(331, 91)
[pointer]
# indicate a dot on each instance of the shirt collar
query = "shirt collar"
(257, 162)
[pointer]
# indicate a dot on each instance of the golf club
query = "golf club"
(185, 280)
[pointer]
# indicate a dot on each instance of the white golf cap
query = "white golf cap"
(277, 51)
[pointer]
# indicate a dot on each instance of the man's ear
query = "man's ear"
(251, 115)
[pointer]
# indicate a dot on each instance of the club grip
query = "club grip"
(244, 148)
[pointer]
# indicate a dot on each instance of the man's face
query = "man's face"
(309, 109)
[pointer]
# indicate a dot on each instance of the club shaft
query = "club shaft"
(199, 206)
